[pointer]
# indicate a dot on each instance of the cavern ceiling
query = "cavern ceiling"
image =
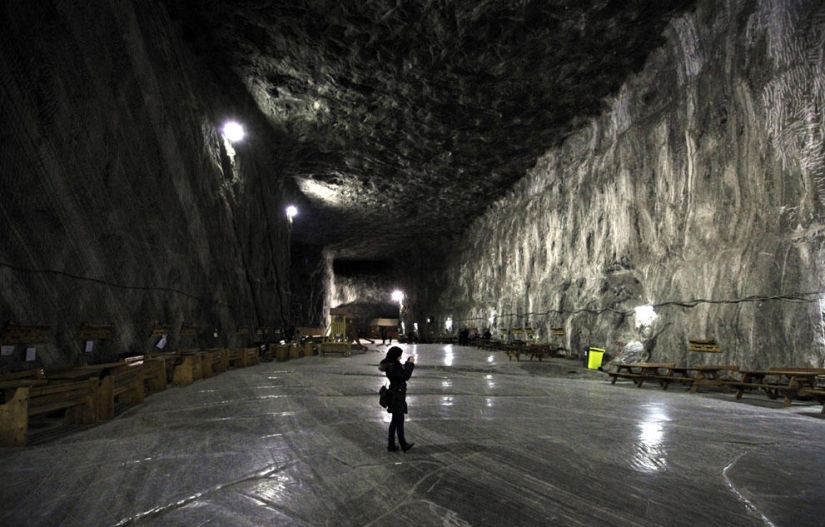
(402, 120)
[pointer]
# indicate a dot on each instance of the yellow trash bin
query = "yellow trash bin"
(594, 358)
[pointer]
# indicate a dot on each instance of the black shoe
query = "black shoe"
(392, 447)
(406, 446)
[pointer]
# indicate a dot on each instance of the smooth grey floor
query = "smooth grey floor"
(304, 443)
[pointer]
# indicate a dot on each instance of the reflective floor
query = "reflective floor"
(496, 443)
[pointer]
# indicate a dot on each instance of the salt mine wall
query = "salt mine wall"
(122, 204)
(698, 192)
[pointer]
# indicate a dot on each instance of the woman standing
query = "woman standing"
(398, 374)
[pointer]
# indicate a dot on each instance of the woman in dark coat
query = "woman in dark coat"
(398, 374)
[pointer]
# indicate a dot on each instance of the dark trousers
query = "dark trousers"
(397, 426)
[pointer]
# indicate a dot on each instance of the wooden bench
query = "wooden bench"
(268, 352)
(488, 344)
(514, 350)
(154, 374)
(33, 374)
(816, 371)
(282, 352)
(197, 359)
(817, 393)
(549, 349)
(253, 356)
(243, 357)
(30, 395)
(309, 348)
(700, 375)
(127, 386)
(776, 381)
(237, 358)
(188, 368)
(213, 362)
(118, 383)
(181, 368)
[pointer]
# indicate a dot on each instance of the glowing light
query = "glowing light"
(651, 455)
(449, 355)
(645, 315)
(490, 382)
(449, 324)
(291, 212)
(397, 295)
(233, 132)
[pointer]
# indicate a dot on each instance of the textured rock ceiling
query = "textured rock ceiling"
(402, 120)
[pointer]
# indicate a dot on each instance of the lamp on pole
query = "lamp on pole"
(398, 296)
(291, 212)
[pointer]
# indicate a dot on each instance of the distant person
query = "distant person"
(383, 331)
(487, 334)
(398, 374)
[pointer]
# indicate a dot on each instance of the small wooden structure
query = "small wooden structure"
(704, 345)
(336, 338)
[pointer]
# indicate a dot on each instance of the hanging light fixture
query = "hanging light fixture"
(233, 132)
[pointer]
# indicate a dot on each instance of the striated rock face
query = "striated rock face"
(401, 121)
(699, 192)
(680, 165)
(119, 202)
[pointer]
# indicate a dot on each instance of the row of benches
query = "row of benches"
(88, 394)
(515, 350)
(788, 382)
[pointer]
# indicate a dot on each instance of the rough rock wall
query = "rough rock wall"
(703, 181)
(119, 201)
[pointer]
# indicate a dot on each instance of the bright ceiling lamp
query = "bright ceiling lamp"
(233, 132)
(291, 212)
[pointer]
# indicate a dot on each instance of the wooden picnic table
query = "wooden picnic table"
(638, 372)
(700, 375)
(776, 381)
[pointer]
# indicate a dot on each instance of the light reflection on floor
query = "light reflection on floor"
(497, 442)
(448, 355)
(651, 455)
